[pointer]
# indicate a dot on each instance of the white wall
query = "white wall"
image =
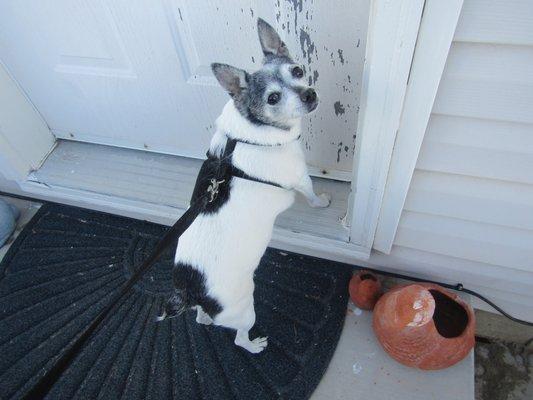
(468, 216)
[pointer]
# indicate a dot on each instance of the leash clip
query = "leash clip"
(212, 189)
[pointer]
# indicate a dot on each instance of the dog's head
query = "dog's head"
(276, 94)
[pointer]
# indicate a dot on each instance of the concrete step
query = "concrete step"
(360, 369)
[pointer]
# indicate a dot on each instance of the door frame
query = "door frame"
(392, 35)
(435, 37)
(25, 139)
(391, 39)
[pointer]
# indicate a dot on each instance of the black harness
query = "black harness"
(221, 171)
(227, 169)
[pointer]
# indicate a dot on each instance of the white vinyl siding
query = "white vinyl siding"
(468, 216)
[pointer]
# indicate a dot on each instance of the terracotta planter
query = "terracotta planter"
(365, 290)
(424, 326)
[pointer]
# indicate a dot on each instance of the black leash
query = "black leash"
(45, 383)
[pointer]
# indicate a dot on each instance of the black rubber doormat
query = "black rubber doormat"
(66, 265)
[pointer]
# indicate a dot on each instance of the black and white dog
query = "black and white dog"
(217, 256)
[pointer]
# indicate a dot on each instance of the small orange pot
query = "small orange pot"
(365, 290)
(424, 326)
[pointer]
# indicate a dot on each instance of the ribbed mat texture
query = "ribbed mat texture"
(67, 263)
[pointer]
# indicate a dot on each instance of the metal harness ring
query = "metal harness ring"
(213, 189)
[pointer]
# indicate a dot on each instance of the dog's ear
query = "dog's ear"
(232, 79)
(270, 41)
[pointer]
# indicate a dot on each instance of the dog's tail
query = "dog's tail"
(176, 305)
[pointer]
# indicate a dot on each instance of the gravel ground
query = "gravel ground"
(504, 371)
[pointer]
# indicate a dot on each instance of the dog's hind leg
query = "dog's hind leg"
(242, 337)
(253, 346)
(175, 306)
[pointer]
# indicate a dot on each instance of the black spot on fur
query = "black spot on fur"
(190, 290)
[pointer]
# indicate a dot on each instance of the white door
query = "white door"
(135, 73)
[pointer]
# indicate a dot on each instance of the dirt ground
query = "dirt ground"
(504, 371)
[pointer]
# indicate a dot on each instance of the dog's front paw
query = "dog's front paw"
(321, 201)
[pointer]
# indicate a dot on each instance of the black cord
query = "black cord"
(459, 287)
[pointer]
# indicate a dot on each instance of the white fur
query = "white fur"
(231, 122)
(228, 245)
(286, 72)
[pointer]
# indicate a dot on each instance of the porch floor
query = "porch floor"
(360, 369)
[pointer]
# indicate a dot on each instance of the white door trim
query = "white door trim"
(392, 34)
(434, 40)
(25, 139)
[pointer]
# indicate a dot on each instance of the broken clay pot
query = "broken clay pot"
(365, 290)
(424, 326)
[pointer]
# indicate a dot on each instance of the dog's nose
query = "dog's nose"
(308, 96)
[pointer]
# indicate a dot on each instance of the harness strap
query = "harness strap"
(239, 173)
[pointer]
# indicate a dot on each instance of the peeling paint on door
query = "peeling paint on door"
(341, 57)
(332, 55)
(327, 38)
(339, 108)
(307, 45)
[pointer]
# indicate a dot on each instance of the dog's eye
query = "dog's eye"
(273, 98)
(297, 72)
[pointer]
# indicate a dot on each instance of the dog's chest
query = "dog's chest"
(256, 203)
(284, 165)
